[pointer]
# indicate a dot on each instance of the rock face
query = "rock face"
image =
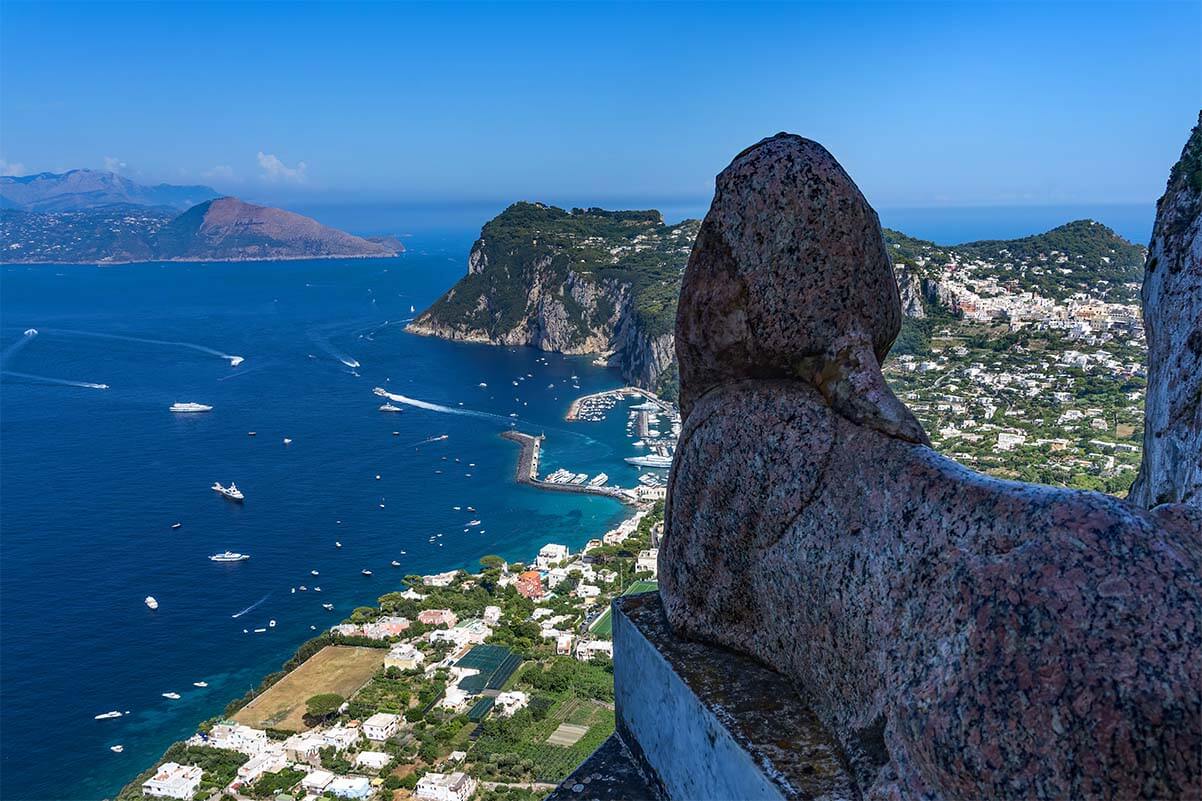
(585, 281)
(960, 636)
(1172, 297)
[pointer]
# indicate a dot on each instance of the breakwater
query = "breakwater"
(527, 471)
(616, 394)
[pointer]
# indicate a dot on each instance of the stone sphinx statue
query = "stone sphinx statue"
(960, 636)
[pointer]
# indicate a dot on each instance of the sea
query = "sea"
(92, 480)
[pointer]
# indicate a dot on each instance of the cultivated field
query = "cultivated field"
(334, 669)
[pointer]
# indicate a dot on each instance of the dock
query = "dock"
(527, 470)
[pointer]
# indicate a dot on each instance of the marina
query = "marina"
(527, 471)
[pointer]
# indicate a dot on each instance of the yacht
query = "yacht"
(650, 460)
(317, 589)
(176, 525)
(328, 607)
(314, 573)
(395, 563)
(151, 602)
(389, 407)
(473, 522)
(107, 715)
(271, 623)
(337, 544)
(303, 588)
(287, 441)
(232, 492)
(200, 684)
(116, 749)
(236, 360)
(190, 407)
(172, 696)
(229, 556)
(365, 572)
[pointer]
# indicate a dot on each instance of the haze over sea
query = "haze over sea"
(93, 479)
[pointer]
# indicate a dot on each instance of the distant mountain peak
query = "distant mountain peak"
(79, 189)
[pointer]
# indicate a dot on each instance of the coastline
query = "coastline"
(527, 470)
(108, 263)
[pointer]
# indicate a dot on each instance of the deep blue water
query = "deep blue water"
(91, 480)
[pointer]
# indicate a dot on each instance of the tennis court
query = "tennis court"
(496, 664)
(604, 625)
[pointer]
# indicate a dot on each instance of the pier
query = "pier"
(527, 471)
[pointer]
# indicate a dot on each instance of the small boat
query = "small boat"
(116, 749)
(200, 684)
(172, 696)
(314, 573)
(293, 591)
(236, 360)
(271, 623)
(403, 553)
(303, 588)
(365, 572)
(388, 407)
(229, 556)
(317, 589)
(176, 525)
(471, 508)
(395, 563)
(189, 408)
(287, 441)
(456, 508)
(231, 492)
(260, 631)
(251, 433)
(337, 544)
(328, 607)
(473, 522)
(151, 602)
(107, 715)
(312, 628)
(377, 476)
(483, 385)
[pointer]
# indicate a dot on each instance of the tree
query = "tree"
(324, 705)
(491, 562)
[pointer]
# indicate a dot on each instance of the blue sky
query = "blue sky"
(944, 104)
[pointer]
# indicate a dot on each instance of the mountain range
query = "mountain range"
(87, 216)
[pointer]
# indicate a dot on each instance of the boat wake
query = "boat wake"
(252, 606)
(439, 438)
(232, 359)
(41, 379)
(321, 341)
(438, 407)
(12, 349)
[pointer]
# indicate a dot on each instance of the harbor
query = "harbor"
(589, 407)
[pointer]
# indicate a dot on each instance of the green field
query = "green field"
(604, 625)
(584, 723)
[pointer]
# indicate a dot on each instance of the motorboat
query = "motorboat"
(200, 684)
(337, 544)
(287, 441)
(151, 602)
(314, 573)
(388, 407)
(271, 623)
(328, 607)
(107, 715)
(395, 563)
(116, 749)
(171, 696)
(365, 572)
(186, 408)
(231, 492)
(176, 525)
(229, 556)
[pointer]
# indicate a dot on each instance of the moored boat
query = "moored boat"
(231, 492)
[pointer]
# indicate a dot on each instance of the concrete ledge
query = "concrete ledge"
(712, 724)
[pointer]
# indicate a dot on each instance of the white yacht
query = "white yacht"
(328, 607)
(388, 407)
(365, 572)
(116, 749)
(151, 602)
(236, 360)
(107, 715)
(232, 492)
(395, 563)
(171, 696)
(337, 544)
(314, 573)
(200, 684)
(473, 522)
(190, 407)
(229, 556)
(176, 525)
(650, 460)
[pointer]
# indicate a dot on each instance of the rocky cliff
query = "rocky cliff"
(1172, 297)
(585, 281)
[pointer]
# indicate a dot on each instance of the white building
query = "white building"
(508, 703)
(587, 649)
(440, 579)
(588, 592)
(372, 760)
(549, 555)
(454, 698)
(445, 787)
(270, 761)
(648, 561)
(350, 787)
(469, 632)
(235, 737)
(380, 726)
(492, 614)
(317, 781)
(173, 780)
(1007, 440)
(403, 656)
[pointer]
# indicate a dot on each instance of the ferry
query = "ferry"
(229, 556)
(151, 602)
(231, 492)
(598, 480)
(172, 696)
(388, 407)
(650, 460)
(107, 715)
(190, 407)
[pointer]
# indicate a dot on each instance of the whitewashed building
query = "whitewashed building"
(456, 786)
(173, 780)
(380, 726)
(550, 555)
